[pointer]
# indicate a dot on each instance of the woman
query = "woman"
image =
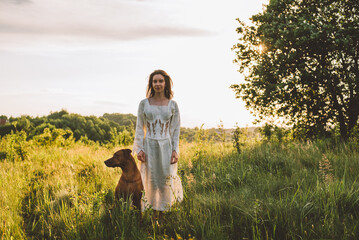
(157, 144)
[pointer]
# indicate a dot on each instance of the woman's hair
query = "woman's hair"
(168, 84)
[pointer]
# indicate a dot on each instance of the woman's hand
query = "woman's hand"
(174, 157)
(141, 156)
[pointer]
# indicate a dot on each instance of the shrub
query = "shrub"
(14, 146)
(57, 137)
(236, 138)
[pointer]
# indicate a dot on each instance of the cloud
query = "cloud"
(109, 104)
(55, 20)
(17, 1)
(43, 101)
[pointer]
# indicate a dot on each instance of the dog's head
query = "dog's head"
(119, 159)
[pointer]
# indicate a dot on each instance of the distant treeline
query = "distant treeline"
(108, 128)
(113, 128)
(219, 134)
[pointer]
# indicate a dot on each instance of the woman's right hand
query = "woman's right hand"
(141, 156)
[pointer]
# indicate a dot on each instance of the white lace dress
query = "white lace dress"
(157, 135)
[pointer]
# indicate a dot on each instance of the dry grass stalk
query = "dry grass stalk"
(326, 170)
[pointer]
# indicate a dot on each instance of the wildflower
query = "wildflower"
(178, 236)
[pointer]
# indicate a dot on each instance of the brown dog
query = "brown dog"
(130, 183)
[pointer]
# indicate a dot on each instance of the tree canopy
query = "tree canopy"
(300, 61)
(114, 127)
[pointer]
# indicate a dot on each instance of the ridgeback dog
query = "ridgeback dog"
(130, 183)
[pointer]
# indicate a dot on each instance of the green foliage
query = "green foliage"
(85, 140)
(188, 134)
(237, 138)
(6, 129)
(267, 131)
(222, 133)
(216, 134)
(354, 137)
(124, 138)
(297, 190)
(127, 120)
(112, 127)
(22, 124)
(300, 61)
(14, 146)
(40, 129)
(272, 132)
(55, 137)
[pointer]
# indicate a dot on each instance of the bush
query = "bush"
(237, 139)
(57, 137)
(14, 146)
(274, 133)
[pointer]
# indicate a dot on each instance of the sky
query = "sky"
(94, 56)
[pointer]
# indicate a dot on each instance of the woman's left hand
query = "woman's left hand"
(174, 157)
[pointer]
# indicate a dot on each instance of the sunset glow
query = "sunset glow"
(261, 48)
(92, 57)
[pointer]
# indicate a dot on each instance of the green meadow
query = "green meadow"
(271, 190)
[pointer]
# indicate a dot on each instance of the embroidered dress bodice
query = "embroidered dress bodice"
(157, 122)
(157, 128)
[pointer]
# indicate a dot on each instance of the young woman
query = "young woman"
(156, 144)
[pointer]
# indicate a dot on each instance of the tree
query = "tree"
(300, 61)
(128, 120)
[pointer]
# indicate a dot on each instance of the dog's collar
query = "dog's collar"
(131, 181)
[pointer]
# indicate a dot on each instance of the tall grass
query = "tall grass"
(306, 190)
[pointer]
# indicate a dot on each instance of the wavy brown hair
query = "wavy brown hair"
(168, 84)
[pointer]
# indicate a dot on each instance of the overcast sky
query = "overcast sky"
(94, 56)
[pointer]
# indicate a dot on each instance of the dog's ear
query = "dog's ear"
(127, 152)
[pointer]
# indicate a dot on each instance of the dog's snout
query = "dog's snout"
(108, 162)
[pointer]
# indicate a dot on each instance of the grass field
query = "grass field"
(306, 190)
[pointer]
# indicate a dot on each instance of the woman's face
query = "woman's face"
(158, 83)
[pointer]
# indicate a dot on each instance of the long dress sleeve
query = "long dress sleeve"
(175, 124)
(140, 129)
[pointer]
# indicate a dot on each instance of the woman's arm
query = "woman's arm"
(140, 132)
(175, 125)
